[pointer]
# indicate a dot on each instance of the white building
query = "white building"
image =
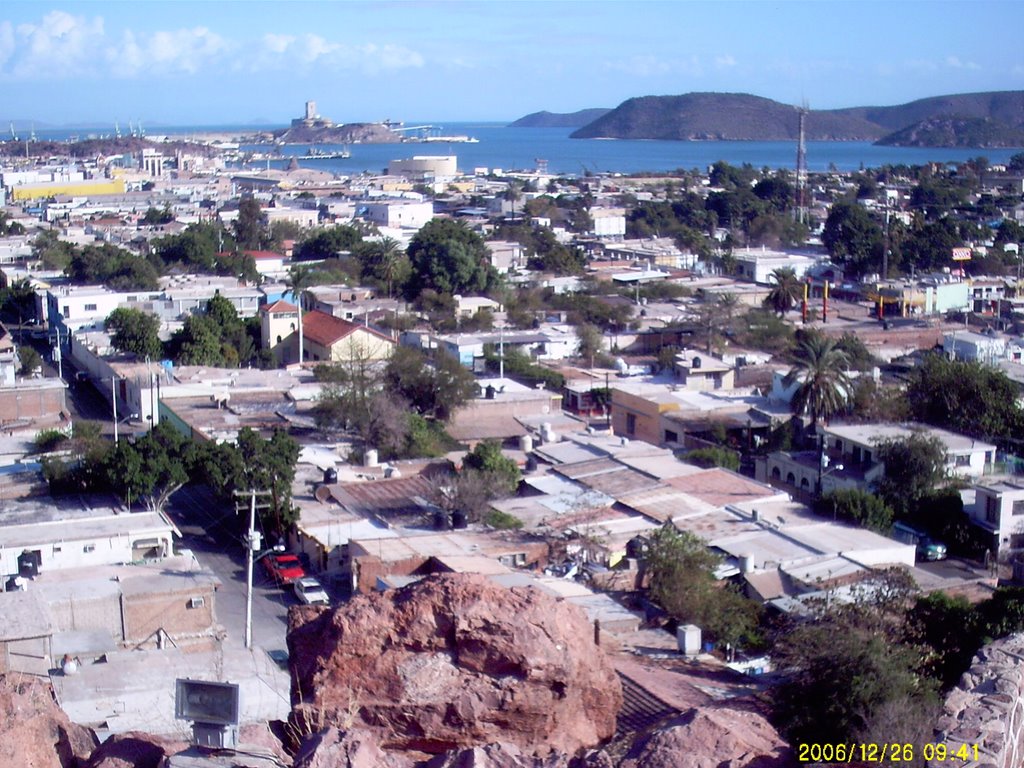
(857, 444)
(609, 222)
(40, 537)
(757, 264)
(404, 214)
(421, 167)
(998, 510)
(975, 347)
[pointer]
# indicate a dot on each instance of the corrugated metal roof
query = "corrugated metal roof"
(720, 487)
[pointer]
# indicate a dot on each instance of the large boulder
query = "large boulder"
(332, 748)
(735, 734)
(135, 750)
(453, 662)
(33, 729)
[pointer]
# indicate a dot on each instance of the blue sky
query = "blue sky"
(212, 63)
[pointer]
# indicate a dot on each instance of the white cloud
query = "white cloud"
(725, 62)
(63, 46)
(277, 43)
(651, 66)
(954, 62)
(59, 45)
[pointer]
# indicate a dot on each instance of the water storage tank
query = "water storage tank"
(747, 563)
(526, 443)
(697, 362)
(440, 520)
(370, 458)
(330, 475)
(459, 519)
(688, 639)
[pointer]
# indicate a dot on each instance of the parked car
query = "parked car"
(311, 592)
(284, 569)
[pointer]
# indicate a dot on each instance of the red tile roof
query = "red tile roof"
(327, 330)
(264, 255)
(279, 306)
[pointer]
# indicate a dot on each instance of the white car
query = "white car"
(311, 592)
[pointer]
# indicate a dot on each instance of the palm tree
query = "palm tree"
(786, 291)
(821, 369)
(388, 252)
(299, 279)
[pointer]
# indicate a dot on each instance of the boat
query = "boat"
(318, 154)
(451, 139)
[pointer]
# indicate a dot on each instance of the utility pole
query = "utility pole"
(113, 403)
(252, 545)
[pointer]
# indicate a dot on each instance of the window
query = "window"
(991, 510)
(790, 479)
(630, 424)
(1018, 508)
(776, 473)
(90, 307)
(89, 548)
(671, 437)
(963, 461)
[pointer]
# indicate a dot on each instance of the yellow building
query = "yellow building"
(71, 188)
(331, 339)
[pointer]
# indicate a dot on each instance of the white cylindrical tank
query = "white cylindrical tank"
(526, 443)
(370, 458)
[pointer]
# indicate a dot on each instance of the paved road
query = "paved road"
(201, 521)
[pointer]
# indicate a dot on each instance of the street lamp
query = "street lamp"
(253, 543)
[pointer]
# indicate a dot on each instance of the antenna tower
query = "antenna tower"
(801, 166)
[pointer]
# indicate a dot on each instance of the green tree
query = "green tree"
(53, 252)
(299, 279)
(858, 507)
(682, 581)
(328, 243)
(970, 398)
(435, 389)
(251, 230)
(590, 341)
(30, 360)
(386, 261)
(135, 332)
(254, 462)
(714, 457)
(487, 457)
(950, 630)
(853, 239)
(785, 292)
(820, 370)
(914, 467)
(842, 680)
(151, 468)
(448, 257)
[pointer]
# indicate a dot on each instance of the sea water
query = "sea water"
(499, 146)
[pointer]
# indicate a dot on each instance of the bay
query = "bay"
(501, 147)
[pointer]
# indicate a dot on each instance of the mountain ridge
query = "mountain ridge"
(714, 116)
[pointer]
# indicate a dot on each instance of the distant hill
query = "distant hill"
(559, 119)
(967, 120)
(956, 131)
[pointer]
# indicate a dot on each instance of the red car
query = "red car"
(284, 569)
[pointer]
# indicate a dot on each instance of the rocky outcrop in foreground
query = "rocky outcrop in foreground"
(732, 736)
(34, 731)
(454, 662)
